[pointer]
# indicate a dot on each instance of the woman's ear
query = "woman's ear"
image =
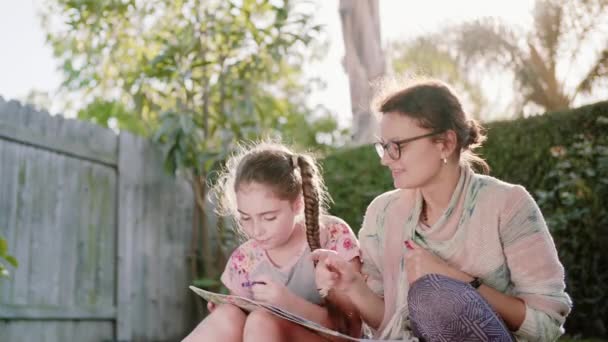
(448, 144)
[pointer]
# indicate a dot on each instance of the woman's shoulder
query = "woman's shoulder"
(386, 198)
(500, 191)
(384, 206)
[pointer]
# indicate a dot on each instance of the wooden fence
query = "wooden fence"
(101, 233)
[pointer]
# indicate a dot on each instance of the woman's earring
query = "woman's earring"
(445, 160)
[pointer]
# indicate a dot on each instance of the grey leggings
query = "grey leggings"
(444, 309)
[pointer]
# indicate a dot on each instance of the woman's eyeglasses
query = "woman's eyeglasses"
(393, 148)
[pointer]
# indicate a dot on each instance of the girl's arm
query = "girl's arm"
(266, 290)
(307, 310)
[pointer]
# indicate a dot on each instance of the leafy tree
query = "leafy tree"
(235, 63)
(428, 56)
(113, 114)
(563, 36)
(195, 75)
(561, 59)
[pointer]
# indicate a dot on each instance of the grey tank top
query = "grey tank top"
(299, 279)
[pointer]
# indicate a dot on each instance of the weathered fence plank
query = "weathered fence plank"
(153, 240)
(100, 231)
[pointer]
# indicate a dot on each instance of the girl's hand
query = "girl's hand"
(333, 272)
(267, 291)
(420, 262)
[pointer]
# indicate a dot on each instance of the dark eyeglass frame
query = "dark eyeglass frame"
(382, 148)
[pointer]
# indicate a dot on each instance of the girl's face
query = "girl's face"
(419, 160)
(264, 217)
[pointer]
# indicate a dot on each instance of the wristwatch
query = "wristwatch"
(476, 283)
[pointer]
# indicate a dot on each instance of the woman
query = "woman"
(450, 254)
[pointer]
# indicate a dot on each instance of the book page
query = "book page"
(250, 305)
(218, 298)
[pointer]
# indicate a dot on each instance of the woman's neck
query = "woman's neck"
(437, 194)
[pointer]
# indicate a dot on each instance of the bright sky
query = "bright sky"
(26, 62)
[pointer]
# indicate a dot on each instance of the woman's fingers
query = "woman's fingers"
(323, 276)
(320, 255)
(337, 264)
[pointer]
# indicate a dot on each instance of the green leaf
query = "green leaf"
(12, 260)
(3, 247)
(206, 283)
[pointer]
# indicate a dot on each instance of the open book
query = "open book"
(250, 305)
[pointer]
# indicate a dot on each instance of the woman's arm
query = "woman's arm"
(511, 309)
(536, 273)
(419, 262)
(369, 305)
(347, 319)
(348, 286)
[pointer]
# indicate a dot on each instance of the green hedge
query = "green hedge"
(561, 158)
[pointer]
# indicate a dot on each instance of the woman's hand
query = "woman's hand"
(420, 262)
(333, 272)
(349, 290)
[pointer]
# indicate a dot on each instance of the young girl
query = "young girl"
(266, 188)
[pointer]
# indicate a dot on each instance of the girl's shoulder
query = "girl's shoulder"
(247, 255)
(337, 235)
(243, 261)
(330, 220)
(334, 228)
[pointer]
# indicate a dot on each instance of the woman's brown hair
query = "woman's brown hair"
(434, 105)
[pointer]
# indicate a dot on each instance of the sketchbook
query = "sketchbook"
(250, 305)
